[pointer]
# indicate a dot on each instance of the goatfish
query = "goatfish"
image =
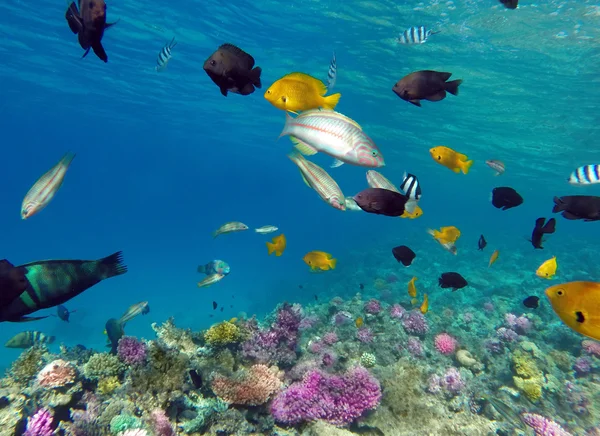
(54, 282)
(210, 280)
(318, 179)
(378, 180)
(89, 24)
(230, 227)
(45, 188)
(134, 310)
(164, 56)
(28, 339)
(332, 133)
(115, 331)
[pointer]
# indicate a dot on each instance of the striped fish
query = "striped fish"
(332, 133)
(164, 55)
(232, 226)
(210, 280)
(28, 339)
(411, 188)
(54, 282)
(415, 35)
(585, 175)
(318, 179)
(134, 310)
(332, 74)
(44, 190)
(496, 165)
(411, 208)
(378, 180)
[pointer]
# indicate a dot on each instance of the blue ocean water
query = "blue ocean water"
(163, 159)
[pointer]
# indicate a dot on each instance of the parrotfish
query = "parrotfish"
(44, 190)
(115, 331)
(215, 267)
(54, 282)
(134, 310)
(28, 339)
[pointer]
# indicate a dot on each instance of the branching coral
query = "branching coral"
(252, 387)
(176, 338)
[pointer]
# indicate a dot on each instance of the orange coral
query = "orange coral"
(252, 387)
(56, 374)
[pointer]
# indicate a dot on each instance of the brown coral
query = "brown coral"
(252, 387)
(57, 374)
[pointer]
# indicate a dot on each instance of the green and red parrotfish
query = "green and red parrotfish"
(54, 282)
(28, 339)
(44, 190)
(233, 226)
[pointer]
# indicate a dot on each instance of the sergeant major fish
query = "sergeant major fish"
(28, 339)
(233, 70)
(164, 56)
(332, 73)
(89, 24)
(54, 282)
(415, 35)
(45, 188)
(585, 175)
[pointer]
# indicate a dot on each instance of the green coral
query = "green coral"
(205, 408)
(26, 367)
(108, 385)
(368, 360)
(529, 379)
(222, 334)
(124, 422)
(103, 365)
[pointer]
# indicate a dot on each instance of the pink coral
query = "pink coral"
(451, 382)
(330, 338)
(131, 351)
(397, 311)
(543, 426)
(488, 306)
(445, 343)
(365, 335)
(57, 374)
(373, 306)
(414, 323)
(315, 347)
(591, 347)
(253, 387)
(161, 424)
(507, 335)
(39, 424)
(415, 347)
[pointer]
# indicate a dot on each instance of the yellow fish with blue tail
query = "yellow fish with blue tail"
(577, 304)
(297, 92)
(547, 270)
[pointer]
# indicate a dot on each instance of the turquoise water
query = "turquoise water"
(163, 159)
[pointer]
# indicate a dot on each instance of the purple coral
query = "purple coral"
(414, 323)
(373, 306)
(330, 338)
(494, 346)
(337, 399)
(451, 382)
(543, 426)
(365, 335)
(39, 424)
(397, 311)
(131, 351)
(582, 365)
(507, 335)
(415, 347)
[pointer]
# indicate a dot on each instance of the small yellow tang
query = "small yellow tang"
(415, 213)
(547, 269)
(425, 306)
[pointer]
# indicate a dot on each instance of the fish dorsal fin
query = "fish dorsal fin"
(239, 52)
(309, 80)
(303, 147)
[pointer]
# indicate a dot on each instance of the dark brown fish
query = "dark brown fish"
(13, 282)
(578, 207)
(425, 85)
(89, 23)
(510, 4)
(381, 201)
(232, 69)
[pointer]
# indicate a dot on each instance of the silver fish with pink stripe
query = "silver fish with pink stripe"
(318, 179)
(44, 190)
(332, 133)
(378, 180)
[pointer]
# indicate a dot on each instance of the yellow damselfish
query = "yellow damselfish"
(454, 160)
(319, 260)
(412, 289)
(493, 258)
(277, 246)
(547, 269)
(577, 304)
(425, 306)
(298, 92)
(445, 235)
(415, 213)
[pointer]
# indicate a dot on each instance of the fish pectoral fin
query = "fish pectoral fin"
(73, 18)
(28, 318)
(86, 53)
(107, 25)
(336, 163)
(456, 170)
(303, 147)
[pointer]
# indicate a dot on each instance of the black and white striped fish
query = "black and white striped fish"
(585, 175)
(332, 73)
(164, 55)
(415, 35)
(411, 188)
(28, 339)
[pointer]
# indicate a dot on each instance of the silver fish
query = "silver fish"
(351, 204)
(210, 280)
(496, 165)
(44, 190)
(164, 55)
(266, 229)
(378, 180)
(134, 310)
(332, 133)
(415, 35)
(332, 73)
(232, 226)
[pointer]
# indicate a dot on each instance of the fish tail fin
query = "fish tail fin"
(331, 101)
(67, 159)
(559, 205)
(466, 166)
(73, 18)
(201, 269)
(332, 263)
(270, 247)
(452, 87)
(255, 76)
(112, 265)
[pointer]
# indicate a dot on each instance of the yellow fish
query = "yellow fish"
(298, 92)
(445, 235)
(493, 258)
(319, 260)
(451, 159)
(415, 213)
(547, 269)
(359, 322)
(425, 306)
(577, 304)
(412, 289)
(277, 246)
(414, 301)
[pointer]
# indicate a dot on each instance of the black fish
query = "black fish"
(505, 198)
(13, 282)
(481, 243)
(425, 85)
(221, 309)
(510, 4)
(196, 378)
(54, 282)
(361, 286)
(578, 207)
(452, 280)
(232, 69)
(532, 302)
(381, 201)
(89, 24)
(114, 331)
(63, 313)
(540, 230)
(404, 254)
(214, 305)
(316, 297)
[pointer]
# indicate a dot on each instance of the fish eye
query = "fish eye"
(560, 292)
(268, 91)
(213, 62)
(374, 153)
